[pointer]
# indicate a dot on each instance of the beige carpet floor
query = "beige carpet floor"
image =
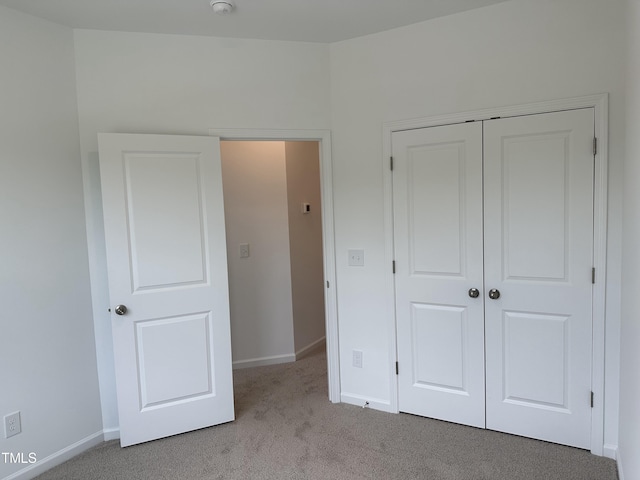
(287, 429)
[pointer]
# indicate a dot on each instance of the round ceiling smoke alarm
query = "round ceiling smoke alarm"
(223, 7)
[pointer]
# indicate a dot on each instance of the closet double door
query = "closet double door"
(493, 240)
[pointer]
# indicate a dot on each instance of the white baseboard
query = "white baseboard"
(610, 451)
(359, 400)
(61, 456)
(303, 352)
(260, 362)
(111, 434)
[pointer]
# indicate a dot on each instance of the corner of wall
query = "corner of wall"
(618, 460)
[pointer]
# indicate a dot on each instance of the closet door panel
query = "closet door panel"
(437, 186)
(538, 198)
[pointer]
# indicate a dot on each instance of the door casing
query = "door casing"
(600, 104)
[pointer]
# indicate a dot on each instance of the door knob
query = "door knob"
(121, 309)
(494, 294)
(474, 292)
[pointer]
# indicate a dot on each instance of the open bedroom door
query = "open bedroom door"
(168, 284)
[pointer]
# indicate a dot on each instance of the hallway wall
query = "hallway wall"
(305, 240)
(255, 208)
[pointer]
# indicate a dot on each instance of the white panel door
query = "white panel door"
(437, 201)
(167, 264)
(538, 254)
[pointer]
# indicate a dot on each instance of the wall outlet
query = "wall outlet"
(12, 425)
(356, 258)
(357, 358)
(244, 250)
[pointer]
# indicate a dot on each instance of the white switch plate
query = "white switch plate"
(244, 250)
(356, 258)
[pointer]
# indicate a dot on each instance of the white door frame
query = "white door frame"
(600, 103)
(323, 137)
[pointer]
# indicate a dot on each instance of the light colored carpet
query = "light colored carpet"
(287, 429)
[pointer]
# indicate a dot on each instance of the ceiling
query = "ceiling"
(323, 21)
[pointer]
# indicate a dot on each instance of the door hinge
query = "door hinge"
(592, 395)
(595, 146)
(393, 266)
(396, 368)
(593, 275)
(391, 163)
(327, 283)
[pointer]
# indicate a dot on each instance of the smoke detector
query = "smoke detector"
(223, 7)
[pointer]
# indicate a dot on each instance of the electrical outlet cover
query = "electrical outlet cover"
(12, 424)
(357, 358)
(356, 258)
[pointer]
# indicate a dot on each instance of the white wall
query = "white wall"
(255, 208)
(48, 362)
(510, 53)
(173, 84)
(305, 240)
(629, 457)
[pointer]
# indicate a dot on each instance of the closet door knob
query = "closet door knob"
(494, 294)
(474, 292)
(121, 310)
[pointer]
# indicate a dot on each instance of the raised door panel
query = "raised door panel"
(174, 360)
(535, 359)
(435, 200)
(534, 205)
(440, 341)
(167, 235)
